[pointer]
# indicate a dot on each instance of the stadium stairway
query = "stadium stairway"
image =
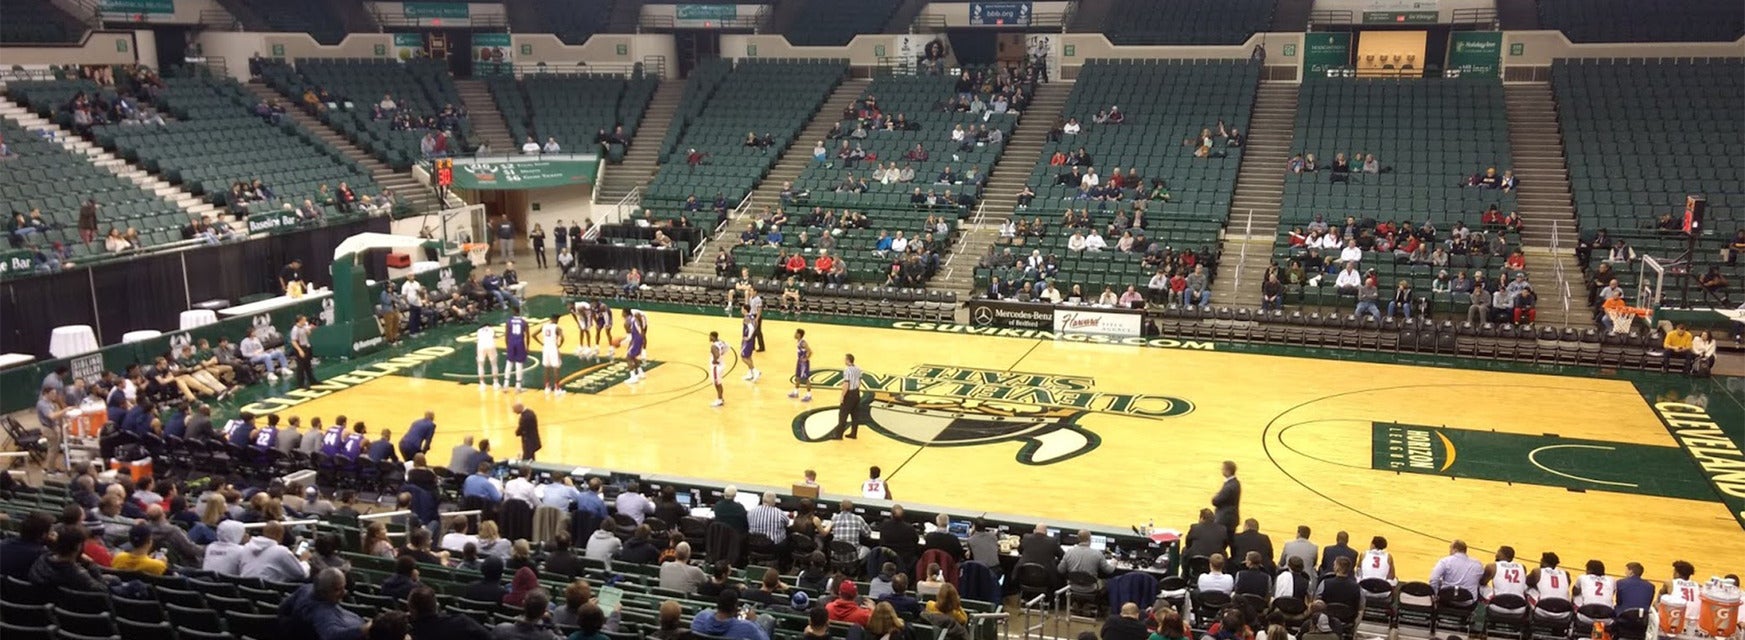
(999, 198)
(404, 185)
(643, 156)
(793, 159)
(1260, 184)
(1546, 204)
(488, 123)
(190, 204)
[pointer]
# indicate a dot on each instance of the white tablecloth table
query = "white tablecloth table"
(140, 336)
(72, 340)
(9, 360)
(197, 318)
(270, 304)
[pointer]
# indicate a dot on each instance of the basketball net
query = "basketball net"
(477, 252)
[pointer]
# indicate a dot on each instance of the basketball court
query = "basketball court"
(1121, 434)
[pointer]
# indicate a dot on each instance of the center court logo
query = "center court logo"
(961, 407)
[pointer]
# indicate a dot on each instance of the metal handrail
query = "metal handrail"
(1331, 16)
(633, 199)
(1484, 16)
(654, 66)
(220, 18)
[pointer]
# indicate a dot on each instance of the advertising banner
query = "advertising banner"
(493, 54)
(408, 45)
(1099, 321)
(533, 174)
(706, 12)
(439, 10)
(1476, 54)
(138, 7)
(999, 14)
(1010, 315)
(1323, 51)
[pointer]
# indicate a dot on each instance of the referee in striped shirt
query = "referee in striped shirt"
(845, 412)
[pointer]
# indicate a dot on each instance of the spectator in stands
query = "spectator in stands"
(530, 147)
(1502, 305)
(1678, 344)
(1197, 292)
(551, 146)
(1715, 285)
(267, 559)
(679, 574)
(1214, 579)
(1702, 349)
(1526, 303)
(1402, 301)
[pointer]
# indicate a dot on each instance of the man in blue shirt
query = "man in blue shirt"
(591, 502)
(1633, 591)
(562, 495)
(726, 622)
(313, 610)
(138, 419)
(418, 436)
(383, 448)
(177, 424)
(478, 485)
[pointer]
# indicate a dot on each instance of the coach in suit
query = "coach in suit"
(528, 431)
(1228, 500)
(1040, 548)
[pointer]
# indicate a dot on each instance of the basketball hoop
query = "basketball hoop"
(476, 252)
(1623, 316)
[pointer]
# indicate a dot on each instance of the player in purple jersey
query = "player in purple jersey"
(515, 340)
(802, 367)
(635, 325)
(747, 342)
(603, 325)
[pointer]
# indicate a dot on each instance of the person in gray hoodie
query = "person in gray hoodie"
(265, 558)
(224, 557)
(604, 543)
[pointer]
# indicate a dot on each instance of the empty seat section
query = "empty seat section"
(571, 108)
(1163, 102)
(832, 23)
(722, 103)
(1640, 136)
(422, 90)
(1187, 21)
(1628, 21)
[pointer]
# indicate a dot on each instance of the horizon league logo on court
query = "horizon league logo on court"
(963, 407)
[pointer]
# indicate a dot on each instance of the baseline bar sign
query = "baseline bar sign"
(1010, 315)
(1108, 322)
(999, 14)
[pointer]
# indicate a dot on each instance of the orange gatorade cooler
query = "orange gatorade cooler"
(85, 423)
(1719, 612)
(1671, 612)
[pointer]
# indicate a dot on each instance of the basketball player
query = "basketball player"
(603, 324)
(802, 367)
(333, 439)
(1595, 587)
(635, 324)
(1550, 581)
(584, 315)
(487, 357)
(875, 488)
(718, 351)
(1377, 562)
(1683, 586)
(551, 343)
(515, 343)
(1505, 576)
(748, 340)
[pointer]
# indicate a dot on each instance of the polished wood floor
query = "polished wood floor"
(1299, 428)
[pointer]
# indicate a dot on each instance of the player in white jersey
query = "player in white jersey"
(1684, 587)
(584, 315)
(1377, 563)
(718, 351)
(1506, 576)
(1549, 581)
(875, 487)
(1595, 587)
(515, 334)
(551, 355)
(487, 357)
